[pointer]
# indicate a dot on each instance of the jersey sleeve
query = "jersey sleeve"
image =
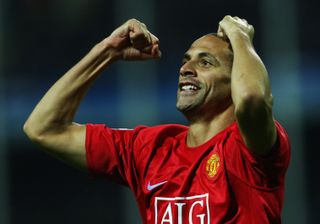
(109, 152)
(264, 172)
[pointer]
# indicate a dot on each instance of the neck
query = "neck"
(201, 130)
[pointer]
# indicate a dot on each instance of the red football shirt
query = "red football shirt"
(220, 181)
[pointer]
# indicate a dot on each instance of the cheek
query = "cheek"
(220, 87)
(216, 83)
(213, 85)
(224, 90)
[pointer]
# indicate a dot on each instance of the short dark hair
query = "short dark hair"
(230, 56)
(227, 40)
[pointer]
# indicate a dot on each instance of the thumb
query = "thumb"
(152, 50)
(221, 33)
(132, 53)
(155, 51)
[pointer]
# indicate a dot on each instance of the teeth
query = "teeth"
(189, 87)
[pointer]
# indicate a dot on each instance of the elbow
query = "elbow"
(253, 104)
(31, 132)
(27, 129)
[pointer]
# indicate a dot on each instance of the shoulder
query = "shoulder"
(160, 131)
(264, 172)
(169, 129)
(278, 156)
(140, 133)
(282, 135)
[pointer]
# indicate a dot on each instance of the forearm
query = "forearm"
(58, 106)
(250, 88)
(249, 78)
(252, 97)
(55, 111)
(50, 124)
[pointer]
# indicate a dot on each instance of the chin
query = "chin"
(186, 109)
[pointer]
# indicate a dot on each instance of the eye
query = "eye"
(205, 62)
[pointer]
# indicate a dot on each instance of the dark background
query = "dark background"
(42, 39)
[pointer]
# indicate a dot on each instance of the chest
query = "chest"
(171, 170)
(179, 183)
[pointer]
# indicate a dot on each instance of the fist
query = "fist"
(229, 26)
(133, 41)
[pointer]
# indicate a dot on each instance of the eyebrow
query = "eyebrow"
(202, 55)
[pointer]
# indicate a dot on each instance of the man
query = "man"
(228, 166)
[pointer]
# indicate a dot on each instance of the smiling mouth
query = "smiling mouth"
(188, 87)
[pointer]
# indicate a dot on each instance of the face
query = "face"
(204, 81)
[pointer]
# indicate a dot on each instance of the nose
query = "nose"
(187, 69)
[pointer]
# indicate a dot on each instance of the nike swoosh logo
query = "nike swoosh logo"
(153, 186)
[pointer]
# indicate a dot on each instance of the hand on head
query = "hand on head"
(231, 25)
(133, 41)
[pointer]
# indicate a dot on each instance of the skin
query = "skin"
(250, 87)
(51, 125)
(207, 64)
(209, 110)
(229, 90)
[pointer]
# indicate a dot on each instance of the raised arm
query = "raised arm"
(250, 88)
(51, 122)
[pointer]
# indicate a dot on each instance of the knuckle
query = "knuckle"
(132, 20)
(144, 25)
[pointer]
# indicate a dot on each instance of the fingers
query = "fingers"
(144, 54)
(133, 41)
(140, 36)
(143, 40)
(138, 43)
(221, 33)
(154, 49)
(229, 25)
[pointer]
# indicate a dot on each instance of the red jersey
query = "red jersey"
(220, 181)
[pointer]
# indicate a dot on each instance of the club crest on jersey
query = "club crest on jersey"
(213, 165)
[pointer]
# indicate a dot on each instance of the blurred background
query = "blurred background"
(41, 39)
